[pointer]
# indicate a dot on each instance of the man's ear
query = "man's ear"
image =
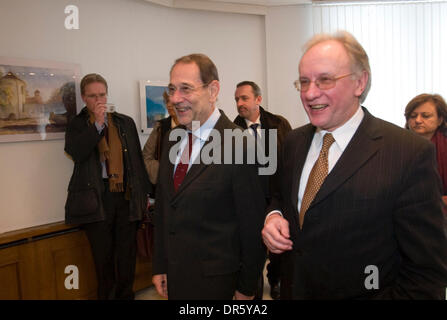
(258, 100)
(361, 83)
(214, 87)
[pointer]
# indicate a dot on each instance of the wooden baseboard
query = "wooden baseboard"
(34, 261)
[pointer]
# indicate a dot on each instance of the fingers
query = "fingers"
(100, 109)
(161, 284)
(276, 234)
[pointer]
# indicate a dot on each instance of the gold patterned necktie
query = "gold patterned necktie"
(317, 175)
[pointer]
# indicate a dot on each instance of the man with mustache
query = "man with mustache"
(207, 226)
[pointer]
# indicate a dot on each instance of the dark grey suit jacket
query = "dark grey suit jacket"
(379, 206)
(211, 226)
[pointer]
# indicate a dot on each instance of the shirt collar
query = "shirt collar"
(204, 130)
(258, 121)
(343, 134)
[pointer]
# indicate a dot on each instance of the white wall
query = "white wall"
(125, 41)
(287, 29)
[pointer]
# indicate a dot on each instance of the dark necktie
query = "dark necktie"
(254, 127)
(182, 166)
(316, 177)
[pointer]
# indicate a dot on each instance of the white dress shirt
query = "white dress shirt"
(342, 136)
(258, 129)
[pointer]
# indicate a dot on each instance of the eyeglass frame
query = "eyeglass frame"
(193, 89)
(96, 96)
(298, 87)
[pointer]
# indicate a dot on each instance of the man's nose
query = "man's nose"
(175, 97)
(312, 92)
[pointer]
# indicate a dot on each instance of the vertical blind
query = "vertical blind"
(406, 42)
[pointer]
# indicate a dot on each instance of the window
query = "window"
(406, 42)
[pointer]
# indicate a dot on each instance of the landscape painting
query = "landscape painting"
(37, 99)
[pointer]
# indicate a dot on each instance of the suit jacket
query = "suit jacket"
(269, 121)
(211, 226)
(84, 201)
(379, 206)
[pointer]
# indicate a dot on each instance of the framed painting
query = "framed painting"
(152, 105)
(37, 98)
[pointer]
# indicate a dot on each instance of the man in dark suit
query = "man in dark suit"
(251, 115)
(207, 226)
(359, 213)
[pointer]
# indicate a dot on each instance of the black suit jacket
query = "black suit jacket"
(269, 121)
(211, 226)
(379, 206)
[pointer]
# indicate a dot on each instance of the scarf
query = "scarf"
(440, 142)
(110, 151)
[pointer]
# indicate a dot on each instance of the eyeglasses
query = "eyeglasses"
(184, 90)
(323, 83)
(97, 96)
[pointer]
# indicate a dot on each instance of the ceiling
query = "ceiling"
(264, 2)
(258, 7)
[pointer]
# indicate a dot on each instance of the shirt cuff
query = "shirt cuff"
(273, 212)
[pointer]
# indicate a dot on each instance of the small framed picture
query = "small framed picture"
(152, 104)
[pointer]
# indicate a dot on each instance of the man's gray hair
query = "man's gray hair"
(356, 53)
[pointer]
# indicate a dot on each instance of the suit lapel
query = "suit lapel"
(197, 168)
(299, 158)
(266, 125)
(170, 168)
(363, 145)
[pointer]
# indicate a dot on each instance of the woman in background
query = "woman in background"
(426, 115)
(152, 148)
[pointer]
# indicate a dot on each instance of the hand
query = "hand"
(160, 282)
(276, 234)
(99, 112)
(444, 198)
(240, 296)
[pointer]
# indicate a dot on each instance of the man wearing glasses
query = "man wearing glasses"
(108, 190)
(359, 215)
(208, 217)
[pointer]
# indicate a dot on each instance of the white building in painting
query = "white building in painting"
(12, 97)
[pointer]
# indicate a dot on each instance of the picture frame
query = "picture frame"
(152, 105)
(37, 98)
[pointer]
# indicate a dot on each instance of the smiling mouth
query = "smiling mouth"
(318, 106)
(182, 109)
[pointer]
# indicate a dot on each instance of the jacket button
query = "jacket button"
(125, 150)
